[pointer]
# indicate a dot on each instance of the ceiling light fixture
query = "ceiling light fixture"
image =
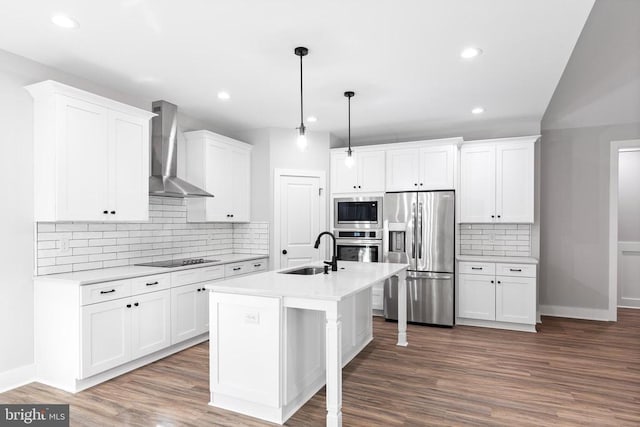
(349, 161)
(312, 119)
(64, 21)
(477, 110)
(223, 95)
(470, 52)
(302, 138)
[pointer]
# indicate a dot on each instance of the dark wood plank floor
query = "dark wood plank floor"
(572, 372)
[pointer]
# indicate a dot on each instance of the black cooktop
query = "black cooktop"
(178, 262)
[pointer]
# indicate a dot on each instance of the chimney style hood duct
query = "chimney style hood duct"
(163, 181)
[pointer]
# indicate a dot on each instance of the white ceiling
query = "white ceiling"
(401, 57)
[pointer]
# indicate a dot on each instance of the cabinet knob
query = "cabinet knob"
(354, 186)
(415, 183)
(359, 186)
(493, 216)
(420, 184)
(498, 216)
(105, 212)
(136, 304)
(499, 282)
(113, 212)
(128, 305)
(492, 281)
(231, 215)
(284, 252)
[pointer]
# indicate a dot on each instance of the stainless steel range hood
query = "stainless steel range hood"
(163, 181)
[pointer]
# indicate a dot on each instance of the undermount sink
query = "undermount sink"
(305, 271)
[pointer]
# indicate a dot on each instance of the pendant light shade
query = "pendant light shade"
(302, 137)
(350, 160)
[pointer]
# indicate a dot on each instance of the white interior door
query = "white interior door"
(299, 222)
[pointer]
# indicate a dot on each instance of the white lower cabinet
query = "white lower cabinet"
(189, 312)
(87, 334)
(497, 294)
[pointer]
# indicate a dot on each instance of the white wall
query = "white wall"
(597, 101)
(16, 215)
(629, 196)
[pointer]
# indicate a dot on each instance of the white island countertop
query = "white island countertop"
(350, 278)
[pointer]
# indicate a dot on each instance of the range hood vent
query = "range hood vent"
(163, 181)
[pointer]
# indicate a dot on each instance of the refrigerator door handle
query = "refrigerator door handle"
(419, 233)
(413, 241)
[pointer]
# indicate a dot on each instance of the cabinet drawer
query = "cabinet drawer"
(487, 268)
(258, 265)
(105, 291)
(211, 273)
(518, 270)
(158, 282)
(195, 275)
(237, 268)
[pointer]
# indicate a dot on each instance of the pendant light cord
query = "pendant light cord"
(301, 100)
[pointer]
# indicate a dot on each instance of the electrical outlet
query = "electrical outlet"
(63, 245)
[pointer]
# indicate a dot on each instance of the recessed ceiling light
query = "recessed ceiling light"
(478, 110)
(223, 95)
(64, 21)
(312, 119)
(470, 52)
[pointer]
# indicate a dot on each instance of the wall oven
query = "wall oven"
(357, 213)
(359, 245)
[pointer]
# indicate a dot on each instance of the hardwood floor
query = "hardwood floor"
(572, 372)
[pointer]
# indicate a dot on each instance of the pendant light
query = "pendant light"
(349, 161)
(302, 138)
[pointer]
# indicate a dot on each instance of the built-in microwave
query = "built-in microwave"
(359, 245)
(357, 212)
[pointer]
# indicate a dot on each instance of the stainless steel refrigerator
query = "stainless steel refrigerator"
(419, 229)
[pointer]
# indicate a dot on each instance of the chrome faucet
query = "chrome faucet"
(334, 259)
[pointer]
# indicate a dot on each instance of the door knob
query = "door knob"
(284, 252)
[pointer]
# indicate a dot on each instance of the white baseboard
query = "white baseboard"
(17, 377)
(575, 312)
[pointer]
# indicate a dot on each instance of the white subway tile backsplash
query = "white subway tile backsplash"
(495, 239)
(166, 236)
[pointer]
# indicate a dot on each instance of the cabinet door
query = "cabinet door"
(202, 311)
(343, 179)
(184, 312)
(218, 177)
(150, 323)
(371, 175)
(403, 170)
(128, 167)
(437, 167)
(241, 185)
(516, 299)
(477, 297)
(477, 184)
(514, 182)
(82, 160)
(106, 336)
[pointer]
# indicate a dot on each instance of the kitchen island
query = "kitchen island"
(277, 338)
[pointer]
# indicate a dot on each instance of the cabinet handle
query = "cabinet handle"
(113, 212)
(515, 269)
(257, 265)
(128, 305)
(108, 292)
(136, 304)
(105, 212)
(152, 283)
(476, 268)
(237, 268)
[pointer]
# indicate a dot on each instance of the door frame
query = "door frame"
(613, 222)
(278, 174)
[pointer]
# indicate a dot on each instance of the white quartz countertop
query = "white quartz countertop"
(504, 259)
(126, 272)
(350, 278)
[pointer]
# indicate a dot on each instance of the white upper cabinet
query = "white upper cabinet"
(91, 156)
(222, 167)
(437, 167)
(477, 183)
(366, 175)
(425, 167)
(403, 169)
(497, 181)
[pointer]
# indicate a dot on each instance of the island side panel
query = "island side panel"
(245, 354)
(402, 309)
